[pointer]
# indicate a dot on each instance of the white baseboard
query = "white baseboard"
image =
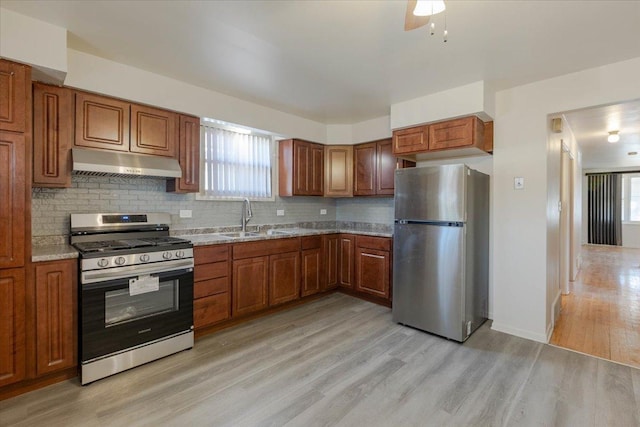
(522, 333)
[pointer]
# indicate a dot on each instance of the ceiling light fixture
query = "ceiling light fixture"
(428, 8)
(613, 136)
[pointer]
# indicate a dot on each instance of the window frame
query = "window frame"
(626, 199)
(273, 155)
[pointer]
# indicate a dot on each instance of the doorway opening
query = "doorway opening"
(596, 303)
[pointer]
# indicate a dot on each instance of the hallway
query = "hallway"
(601, 315)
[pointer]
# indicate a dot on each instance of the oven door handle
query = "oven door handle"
(135, 271)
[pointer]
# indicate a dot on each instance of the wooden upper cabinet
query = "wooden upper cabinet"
(412, 140)
(101, 122)
(364, 176)
(14, 82)
(301, 168)
(338, 170)
(153, 131)
(52, 135)
(13, 188)
(12, 326)
(459, 133)
(188, 156)
(56, 313)
(488, 137)
(386, 168)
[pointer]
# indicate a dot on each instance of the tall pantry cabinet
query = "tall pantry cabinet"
(15, 216)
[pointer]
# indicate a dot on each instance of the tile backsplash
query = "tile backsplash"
(51, 207)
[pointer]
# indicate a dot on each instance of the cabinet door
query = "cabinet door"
(346, 267)
(372, 271)
(12, 326)
(338, 171)
(13, 102)
(331, 245)
(52, 135)
(188, 156)
(12, 199)
(56, 308)
(300, 168)
(101, 122)
(364, 158)
(386, 168)
(412, 140)
(316, 170)
(250, 285)
(456, 133)
(153, 131)
(284, 277)
(311, 277)
(210, 310)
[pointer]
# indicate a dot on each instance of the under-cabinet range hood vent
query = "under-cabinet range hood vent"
(112, 163)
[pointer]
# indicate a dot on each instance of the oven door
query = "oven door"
(113, 320)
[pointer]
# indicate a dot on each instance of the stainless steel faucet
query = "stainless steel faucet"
(246, 213)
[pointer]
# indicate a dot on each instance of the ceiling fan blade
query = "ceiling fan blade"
(411, 21)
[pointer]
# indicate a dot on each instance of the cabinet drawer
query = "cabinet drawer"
(210, 287)
(210, 271)
(210, 310)
(213, 253)
(269, 247)
(311, 242)
(372, 242)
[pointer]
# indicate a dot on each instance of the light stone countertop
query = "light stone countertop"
(53, 253)
(281, 233)
(58, 252)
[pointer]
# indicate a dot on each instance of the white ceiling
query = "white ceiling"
(590, 127)
(345, 61)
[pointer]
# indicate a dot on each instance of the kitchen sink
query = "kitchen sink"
(240, 234)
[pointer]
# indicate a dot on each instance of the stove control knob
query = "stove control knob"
(120, 260)
(179, 254)
(167, 255)
(103, 262)
(144, 258)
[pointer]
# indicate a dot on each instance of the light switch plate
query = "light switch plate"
(279, 212)
(185, 213)
(518, 183)
(323, 211)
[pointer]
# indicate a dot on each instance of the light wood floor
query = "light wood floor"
(601, 315)
(342, 361)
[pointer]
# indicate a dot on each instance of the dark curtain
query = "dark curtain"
(605, 210)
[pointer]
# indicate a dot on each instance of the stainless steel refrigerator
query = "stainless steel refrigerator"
(441, 249)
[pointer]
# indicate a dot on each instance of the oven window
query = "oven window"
(121, 307)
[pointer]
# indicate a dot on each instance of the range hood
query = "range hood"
(113, 163)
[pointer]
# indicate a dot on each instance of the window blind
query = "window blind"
(236, 164)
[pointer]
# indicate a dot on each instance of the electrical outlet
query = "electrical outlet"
(185, 213)
(279, 212)
(323, 211)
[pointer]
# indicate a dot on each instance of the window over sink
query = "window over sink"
(236, 162)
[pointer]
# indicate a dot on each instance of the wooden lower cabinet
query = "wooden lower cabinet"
(330, 260)
(250, 285)
(346, 265)
(284, 278)
(311, 272)
(56, 305)
(211, 310)
(373, 265)
(12, 326)
(211, 287)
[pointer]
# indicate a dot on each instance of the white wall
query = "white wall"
(521, 217)
(37, 43)
(474, 98)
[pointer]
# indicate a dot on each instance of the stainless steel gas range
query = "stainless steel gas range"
(136, 291)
